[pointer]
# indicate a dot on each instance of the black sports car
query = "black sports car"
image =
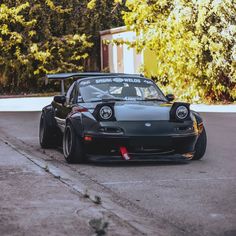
(119, 116)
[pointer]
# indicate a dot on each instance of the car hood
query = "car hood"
(138, 110)
(142, 111)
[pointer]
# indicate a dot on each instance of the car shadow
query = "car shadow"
(104, 161)
(136, 163)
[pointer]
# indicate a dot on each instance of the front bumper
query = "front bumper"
(140, 146)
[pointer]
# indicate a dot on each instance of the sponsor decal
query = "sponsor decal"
(84, 83)
(147, 82)
(99, 81)
(116, 80)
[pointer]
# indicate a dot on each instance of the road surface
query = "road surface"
(179, 198)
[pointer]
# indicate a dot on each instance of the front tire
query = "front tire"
(72, 146)
(200, 147)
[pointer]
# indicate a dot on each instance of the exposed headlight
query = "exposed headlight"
(105, 112)
(182, 112)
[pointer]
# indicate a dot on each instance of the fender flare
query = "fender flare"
(49, 115)
(198, 117)
(199, 120)
(77, 125)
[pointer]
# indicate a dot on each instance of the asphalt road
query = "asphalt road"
(193, 198)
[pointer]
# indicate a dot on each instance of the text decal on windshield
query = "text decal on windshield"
(115, 80)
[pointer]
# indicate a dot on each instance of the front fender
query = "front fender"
(198, 117)
(199, 121)
(76, 121)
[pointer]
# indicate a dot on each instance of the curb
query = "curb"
(27, 104)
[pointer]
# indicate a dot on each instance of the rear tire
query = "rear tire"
(200, 147)
(73, 148)
(49, 136)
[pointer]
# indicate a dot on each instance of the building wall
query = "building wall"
(122, 59)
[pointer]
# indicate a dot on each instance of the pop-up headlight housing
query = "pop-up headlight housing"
(180, 111)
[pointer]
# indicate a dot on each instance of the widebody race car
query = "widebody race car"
(119, 116)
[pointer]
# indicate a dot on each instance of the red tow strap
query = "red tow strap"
(124, 153)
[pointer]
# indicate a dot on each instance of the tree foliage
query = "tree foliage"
(33, 42)
(194, 43)
(48, 36)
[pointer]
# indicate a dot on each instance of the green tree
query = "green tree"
(101, 15)
(194, 43)
(48, 36)
(33, 42)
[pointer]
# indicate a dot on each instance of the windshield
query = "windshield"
(119, 88)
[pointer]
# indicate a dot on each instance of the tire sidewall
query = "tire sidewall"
(200, 147)
(41, 129)
(76, 152)
(45, 138)
(67, 153)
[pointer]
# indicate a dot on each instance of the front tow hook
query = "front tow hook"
(124, 153)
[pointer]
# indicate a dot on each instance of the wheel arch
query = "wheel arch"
(76, 124)
(198, 117)
(49, 115)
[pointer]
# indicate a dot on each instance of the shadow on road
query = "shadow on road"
(136, 163)
(111, 162)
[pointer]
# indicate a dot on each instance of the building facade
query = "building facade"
(122, 58)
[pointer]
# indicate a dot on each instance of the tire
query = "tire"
(200, 147)
(72, 146)
(49, 136)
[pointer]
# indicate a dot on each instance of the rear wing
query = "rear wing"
(64, 76)
(80, 75)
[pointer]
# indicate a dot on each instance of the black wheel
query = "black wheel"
(72, 146)
(49, 135)
(200, 147)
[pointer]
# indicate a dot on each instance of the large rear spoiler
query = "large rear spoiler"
(79, 75)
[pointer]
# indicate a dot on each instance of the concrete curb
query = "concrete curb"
(24, 104)
(37, 103)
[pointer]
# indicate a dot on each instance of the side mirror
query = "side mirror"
(170, 97)
(59, 99)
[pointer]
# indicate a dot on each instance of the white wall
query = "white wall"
(131, 60)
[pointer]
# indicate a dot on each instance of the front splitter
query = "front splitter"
(118, 159)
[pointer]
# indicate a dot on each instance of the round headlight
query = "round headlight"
(182, 112)
(105, 112)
